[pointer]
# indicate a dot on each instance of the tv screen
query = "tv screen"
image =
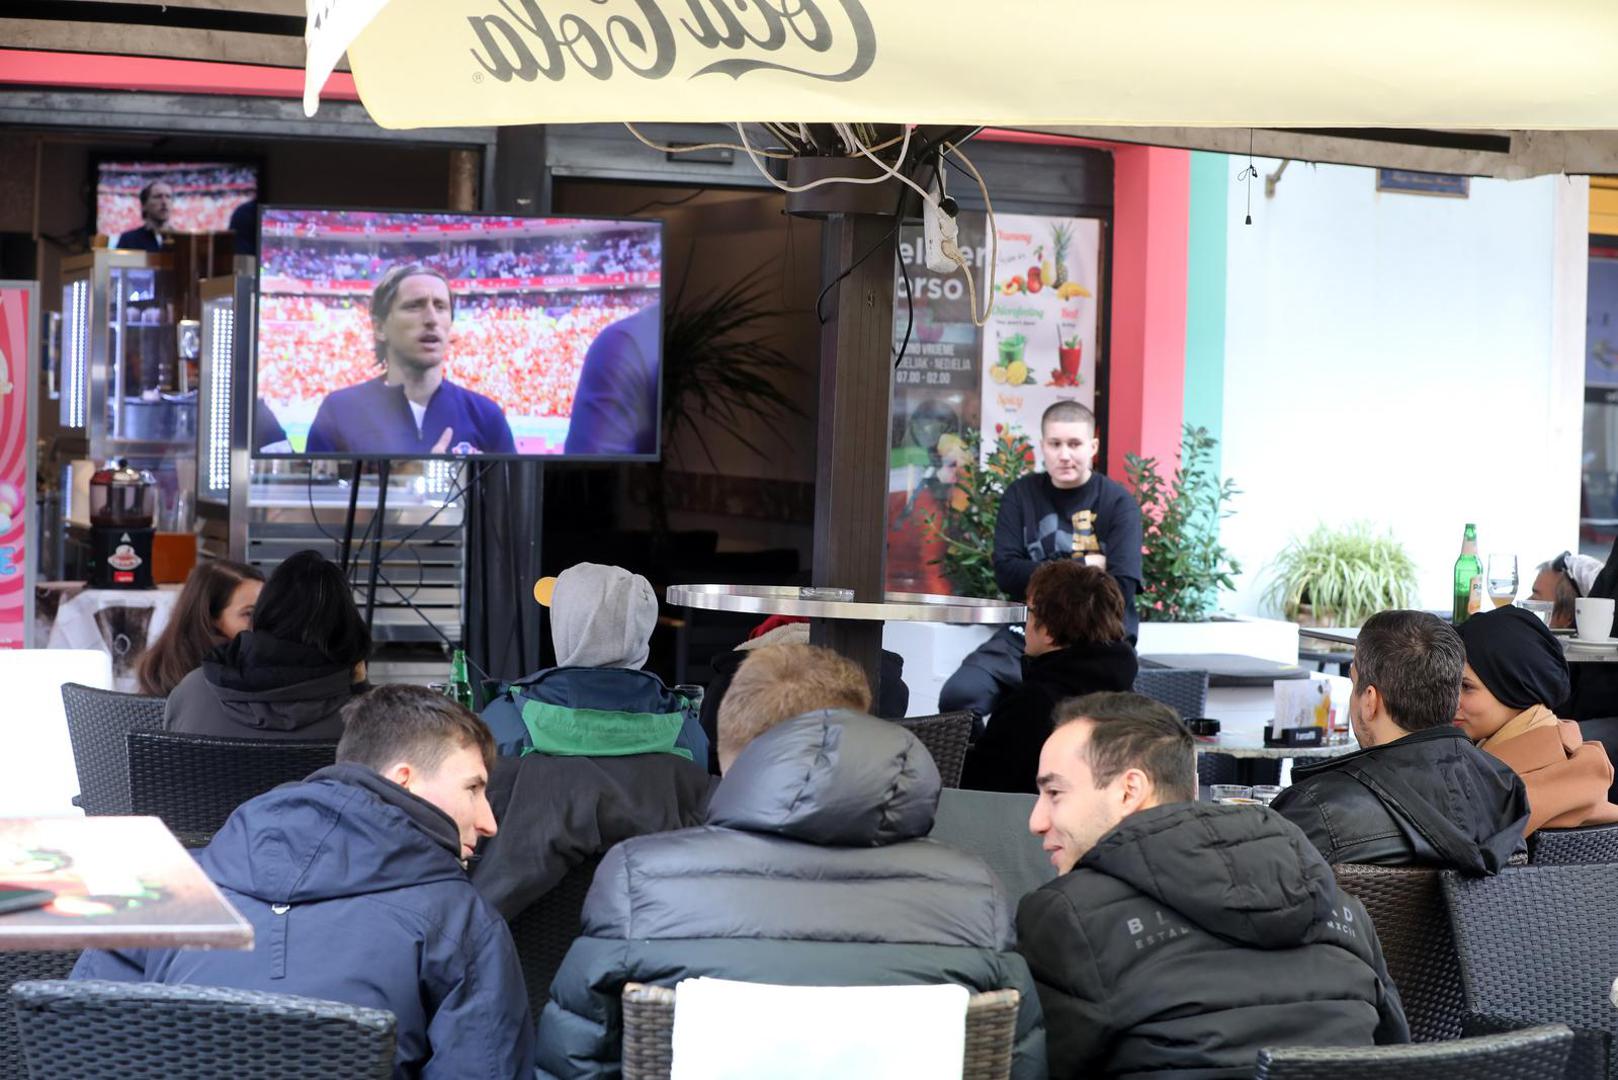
(422, 335)
(136, 200)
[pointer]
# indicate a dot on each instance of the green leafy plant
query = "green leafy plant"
(973, 504)
(1183, 565)
(720, 367)
(1344, 576)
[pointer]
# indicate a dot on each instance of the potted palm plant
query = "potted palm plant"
(1340, 577)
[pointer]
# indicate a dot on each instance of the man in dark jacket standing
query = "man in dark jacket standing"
(354, 882)
(1182, 937)
(1418, 793)
(1075, 646)
(811, 871)
(1067, 512)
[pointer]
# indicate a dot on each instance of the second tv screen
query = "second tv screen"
(386, 334)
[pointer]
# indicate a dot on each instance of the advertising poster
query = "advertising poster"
(18, 314)
(936, 401)
(1040, 344)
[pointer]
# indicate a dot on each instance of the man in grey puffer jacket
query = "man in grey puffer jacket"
(811, 870)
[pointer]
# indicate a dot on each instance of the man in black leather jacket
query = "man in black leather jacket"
(1418, 793)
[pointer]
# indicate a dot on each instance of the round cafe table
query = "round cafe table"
(895, 607)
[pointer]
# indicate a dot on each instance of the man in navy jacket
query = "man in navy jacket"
(410, 409)
(355, 884)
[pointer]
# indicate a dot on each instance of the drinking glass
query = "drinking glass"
(1502, 579)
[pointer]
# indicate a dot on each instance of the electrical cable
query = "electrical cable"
(755, 155)
(853, 266)
(665, 202)
(994, 241)
(703, 146)
(383, 578)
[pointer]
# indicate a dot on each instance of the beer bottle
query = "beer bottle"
(459, 686)
(1467, 567)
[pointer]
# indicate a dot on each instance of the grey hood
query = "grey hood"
(834, 778)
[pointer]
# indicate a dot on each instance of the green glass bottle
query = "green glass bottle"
(459, 686)
(1467, 567)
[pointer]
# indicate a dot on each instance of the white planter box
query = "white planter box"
(932, 653)
(1239, 635)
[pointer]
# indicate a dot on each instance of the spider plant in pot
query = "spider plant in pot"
(720, 367)
(1340, 577)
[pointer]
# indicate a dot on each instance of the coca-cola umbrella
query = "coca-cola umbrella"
(1447, 64)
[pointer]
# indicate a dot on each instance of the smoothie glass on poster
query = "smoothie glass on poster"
(1069, 349)
(1012, 349)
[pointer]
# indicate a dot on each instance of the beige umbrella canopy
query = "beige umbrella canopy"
(1455, 64)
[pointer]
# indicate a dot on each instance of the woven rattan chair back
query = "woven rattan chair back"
(97, 1030)
(97, 723)
(1531, 1054)
(946, 737)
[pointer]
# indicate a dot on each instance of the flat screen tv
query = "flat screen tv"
(137, 198)
(438, 335)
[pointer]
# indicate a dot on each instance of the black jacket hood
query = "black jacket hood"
(1243, 873)
(270, 684)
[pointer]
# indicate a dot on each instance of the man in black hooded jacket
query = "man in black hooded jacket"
(1418, 793)
(1181, 937)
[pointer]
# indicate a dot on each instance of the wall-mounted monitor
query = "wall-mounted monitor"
(419, 335)
(139, 200)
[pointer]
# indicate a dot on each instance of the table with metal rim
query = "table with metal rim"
(1252, 747)
(895, 607)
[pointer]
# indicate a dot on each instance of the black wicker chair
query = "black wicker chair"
(96, 1030)
(1588, 845)
(648, 1045)
(16, 967)
(194, 782)
(1531, 1054)
(946, 737)
(1539, 945)
(1407, 907)
(1183, 690)
(547, 928)
(97, 723)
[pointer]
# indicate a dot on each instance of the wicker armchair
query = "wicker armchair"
(1539, 945)
(148, 1031)
(946, 737)
(16, 967)
(648, 1053)
(1530, 1054)
(1184, 691)
(547, 928)
(1585, 846)
(97, 723)
(1407, 908)
(195, 782)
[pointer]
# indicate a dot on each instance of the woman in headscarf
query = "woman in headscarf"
(1514, 667)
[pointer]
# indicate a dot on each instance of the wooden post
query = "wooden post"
(851, 482)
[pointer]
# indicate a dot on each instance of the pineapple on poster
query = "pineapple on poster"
(1039, 346)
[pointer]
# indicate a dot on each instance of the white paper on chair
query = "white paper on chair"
(727, 1030)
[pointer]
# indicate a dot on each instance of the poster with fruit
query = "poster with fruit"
(1039, 346)
(18, 313)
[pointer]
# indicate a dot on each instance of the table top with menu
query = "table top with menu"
(117, 883)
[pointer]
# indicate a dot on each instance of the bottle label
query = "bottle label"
(1475, 601)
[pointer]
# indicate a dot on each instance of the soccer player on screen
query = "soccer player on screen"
(410, 410)
(156, 204)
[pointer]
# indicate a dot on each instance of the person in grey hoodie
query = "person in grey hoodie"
(829, 804)
(291, 674)
(1181, 938)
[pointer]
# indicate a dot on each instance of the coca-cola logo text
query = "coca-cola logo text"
(524, 43)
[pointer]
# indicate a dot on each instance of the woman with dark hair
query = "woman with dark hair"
(1515, 675)
(215, 605)
(290, 675)
(1074, 645)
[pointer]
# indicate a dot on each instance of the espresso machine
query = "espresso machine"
(122, 500)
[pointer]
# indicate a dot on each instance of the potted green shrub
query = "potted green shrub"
(973, 505)
(1183, 564)
(1340, 577)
